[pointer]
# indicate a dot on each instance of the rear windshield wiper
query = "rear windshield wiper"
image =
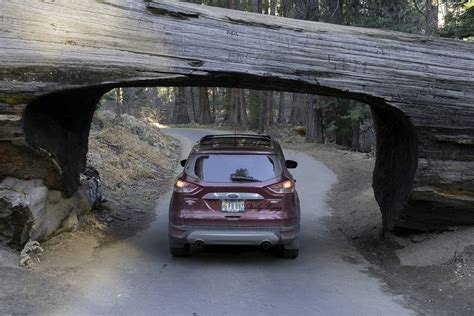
(235, 177)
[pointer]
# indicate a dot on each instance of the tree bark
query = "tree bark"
(118, 103)
(180, 111)
(281, 109)
(204, 112)
(269, 107)
(213, 98)
(356, 135)
(272, 7)
(335, 14)
(297, 112)
(254, 5)
(243, 120)
(432, 7)
(191, 104)
(312, 10)
(314, 126)
(285, 7)
(263, 121)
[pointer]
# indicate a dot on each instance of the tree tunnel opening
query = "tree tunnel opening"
(57, 126)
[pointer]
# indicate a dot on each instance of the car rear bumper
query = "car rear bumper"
(180, 235)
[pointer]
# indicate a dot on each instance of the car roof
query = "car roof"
(236, 143)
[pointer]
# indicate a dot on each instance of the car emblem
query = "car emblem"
(190, 202)
(232, 196)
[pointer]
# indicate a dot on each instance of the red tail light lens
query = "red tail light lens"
(287, 186)
(184, 187)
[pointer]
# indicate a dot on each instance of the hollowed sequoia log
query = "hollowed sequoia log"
(420, 88)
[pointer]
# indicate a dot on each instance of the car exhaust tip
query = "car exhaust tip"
(266, 245)
(199, 243)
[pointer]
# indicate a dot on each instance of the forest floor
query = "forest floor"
(433, 271)
(136, 163)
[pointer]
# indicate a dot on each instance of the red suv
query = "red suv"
(235, 190)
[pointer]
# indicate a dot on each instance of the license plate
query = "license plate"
(233, 206)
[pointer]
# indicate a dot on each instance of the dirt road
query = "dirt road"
(138, 276)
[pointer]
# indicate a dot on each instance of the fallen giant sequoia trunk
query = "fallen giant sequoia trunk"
(59, 57)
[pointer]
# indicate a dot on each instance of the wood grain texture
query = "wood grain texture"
(420, 88)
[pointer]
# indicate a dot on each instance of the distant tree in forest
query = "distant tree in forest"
(459, 20)
(180, 113)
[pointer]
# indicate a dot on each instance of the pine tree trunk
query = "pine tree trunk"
(272, 7)
(314, 126)
(242, 109)
(294, 109)
(335, 14)
(269, 108)
(285, 8)
(312, 10)
(204, 112)
(253, 5)
(180, 112)
(155, 98)
(234, 4)
(191, 103)
(356, 135)
(230, 106)
(431, 16)
(281, 108)
(118, 103)
(263, 121)
(213, 98)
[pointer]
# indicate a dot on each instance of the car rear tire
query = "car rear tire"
(289, 253)
(290, 250)
(180, 251)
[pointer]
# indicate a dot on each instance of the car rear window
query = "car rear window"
(229, 168)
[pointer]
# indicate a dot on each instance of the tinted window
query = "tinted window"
(233, 168)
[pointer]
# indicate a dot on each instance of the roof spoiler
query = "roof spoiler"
(253, 136)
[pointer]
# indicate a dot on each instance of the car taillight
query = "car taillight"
(184, 187)
(286, 186)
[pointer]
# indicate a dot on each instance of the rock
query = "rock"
(29, 211)
(20, 202)
(8, 258)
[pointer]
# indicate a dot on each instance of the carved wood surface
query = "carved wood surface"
(420, 88)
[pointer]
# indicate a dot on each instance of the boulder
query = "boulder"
(31, 211)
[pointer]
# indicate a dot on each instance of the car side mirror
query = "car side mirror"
(291, 164)
(182, 162)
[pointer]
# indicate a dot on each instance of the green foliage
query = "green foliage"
(357, 112)
(459, 21)
(340, 116)
(109, 96)
(397, 15)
